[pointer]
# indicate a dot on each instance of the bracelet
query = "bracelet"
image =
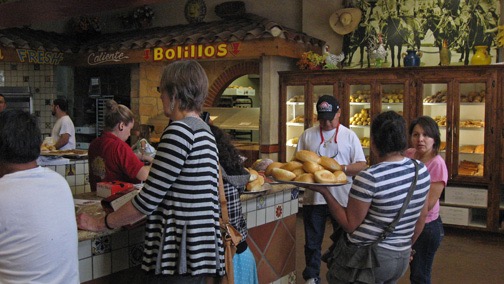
(106, 222)
(344, 169)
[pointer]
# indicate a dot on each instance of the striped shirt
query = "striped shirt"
(180, 199)
(385, 186)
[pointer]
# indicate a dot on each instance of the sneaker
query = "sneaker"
(312, 281)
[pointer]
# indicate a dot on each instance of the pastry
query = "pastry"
(311, 167)
(306, 155)
(325, 176)
(330, 164)
(480, 149)
(283, 175)
(271, 166)
(306, 177)
(292, 165)
(341, 177)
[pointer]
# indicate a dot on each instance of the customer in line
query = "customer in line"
(110, 157)
(3, 103)
(38, 233)
(426, 140)
(63, 132)
(183, 241)
(378, 194)
(330, 139)
(235, 179)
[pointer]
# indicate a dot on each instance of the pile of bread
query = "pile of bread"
(470, 149)
(308, 167)
(468, 168)
(45, 147)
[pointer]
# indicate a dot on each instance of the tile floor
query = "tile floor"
(464, 257)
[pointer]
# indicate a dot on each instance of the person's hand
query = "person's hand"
(317, 188)
(89, 223)
(411, 255)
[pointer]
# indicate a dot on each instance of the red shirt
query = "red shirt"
(112, 159)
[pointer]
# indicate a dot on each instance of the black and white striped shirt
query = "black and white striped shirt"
(180, 199)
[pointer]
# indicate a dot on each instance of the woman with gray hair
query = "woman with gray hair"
(183, 241)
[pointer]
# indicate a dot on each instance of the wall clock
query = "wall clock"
(195, 11)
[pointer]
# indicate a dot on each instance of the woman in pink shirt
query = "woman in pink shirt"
(426, 140)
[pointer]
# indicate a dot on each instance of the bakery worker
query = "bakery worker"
(330, 139)
(63, 132)
(3, 103)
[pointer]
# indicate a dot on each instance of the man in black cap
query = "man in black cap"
(330, 139)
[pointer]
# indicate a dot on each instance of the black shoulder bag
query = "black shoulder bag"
(351, 263)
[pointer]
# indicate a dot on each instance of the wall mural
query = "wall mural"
(421, 25)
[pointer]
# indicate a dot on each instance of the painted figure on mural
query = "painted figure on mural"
(424, 25)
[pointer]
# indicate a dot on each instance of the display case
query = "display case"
(463, 100)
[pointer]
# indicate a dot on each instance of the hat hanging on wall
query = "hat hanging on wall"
(345, 20)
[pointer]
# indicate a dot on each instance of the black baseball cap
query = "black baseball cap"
(327, 107)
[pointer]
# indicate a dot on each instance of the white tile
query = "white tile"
(79, 169)
(85, 269)
(60, 170)
(244, 206)
(261, 217)
(270, 200)
(119, 240)
(294, 206)
(102, 265)
(287, 209)
(70, 180)
(279, 197)
(251, 220)
(84, 249)
(120, 259)
(251, 205)
(270, 214)
(287, 194)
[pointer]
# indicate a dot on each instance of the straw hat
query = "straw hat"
(345, 20)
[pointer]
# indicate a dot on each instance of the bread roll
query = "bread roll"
(260, 165)
(330, 164)
(480, 149)
(283, 175)
(311, 167)
(341, 177)
(292, 165)
(324, 176)
(467, 149)
(271, 167)
(305, 155)
(306, 177)
(299, 172)
(255, 185)
(253, 174)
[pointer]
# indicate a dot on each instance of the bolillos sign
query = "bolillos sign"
(163, 54)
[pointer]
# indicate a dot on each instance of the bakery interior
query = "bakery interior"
(92, 51)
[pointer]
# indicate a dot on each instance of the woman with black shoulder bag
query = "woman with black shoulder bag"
(385, 213)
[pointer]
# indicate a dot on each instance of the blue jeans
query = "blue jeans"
(314, 218)
(393, 265)
(426, 246)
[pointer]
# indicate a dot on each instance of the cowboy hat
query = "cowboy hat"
(345, 20)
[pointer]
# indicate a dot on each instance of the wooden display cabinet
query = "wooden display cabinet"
(465, 101)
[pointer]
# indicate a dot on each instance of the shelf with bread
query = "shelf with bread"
(465, 101)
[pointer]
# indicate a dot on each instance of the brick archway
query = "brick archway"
(228, 76)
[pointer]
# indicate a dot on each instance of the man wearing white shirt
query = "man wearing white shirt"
(63, 132)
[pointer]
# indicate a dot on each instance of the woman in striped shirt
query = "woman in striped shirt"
(183, 242)
(377, 195)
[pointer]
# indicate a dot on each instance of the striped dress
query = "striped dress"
(180, 199)
(385, 186)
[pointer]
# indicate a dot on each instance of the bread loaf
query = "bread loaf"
(271, 167)
(306, 177)
(330, 164)
(306, 155)
(480, 149)
(283, 175)
(311, 167)
(292, 165)
(341, 177)
(255, 185)
(325, 176)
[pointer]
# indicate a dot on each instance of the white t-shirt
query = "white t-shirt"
(348, 149)
(64, 125)
(38, 230)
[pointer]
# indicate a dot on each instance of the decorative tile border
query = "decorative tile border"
(268, 208)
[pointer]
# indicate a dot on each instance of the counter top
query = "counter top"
(96, 209)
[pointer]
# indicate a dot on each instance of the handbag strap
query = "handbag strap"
(222, 199)
(391, 227)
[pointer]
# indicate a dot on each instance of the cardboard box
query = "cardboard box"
(105, 189)
(466, 196)
(455, 215)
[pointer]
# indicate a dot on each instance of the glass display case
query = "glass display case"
(465, 101)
